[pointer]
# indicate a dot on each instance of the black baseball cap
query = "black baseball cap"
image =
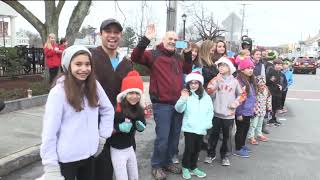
(108, 22)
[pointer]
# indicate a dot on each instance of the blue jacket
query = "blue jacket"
(289, 77)
(247, 107)
(198, 114)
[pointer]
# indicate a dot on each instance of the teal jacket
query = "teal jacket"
(198, 114)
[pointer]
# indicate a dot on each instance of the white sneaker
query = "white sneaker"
(209, 159)
(175, 160)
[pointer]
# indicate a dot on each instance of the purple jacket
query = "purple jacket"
(247, 107)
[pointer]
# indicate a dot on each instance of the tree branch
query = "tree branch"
(24, 12)
(60, 6)
(78, 14)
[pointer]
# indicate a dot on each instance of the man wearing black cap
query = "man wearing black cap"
(110, 68)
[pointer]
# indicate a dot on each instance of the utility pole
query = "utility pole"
(172, 15)
(243, 16)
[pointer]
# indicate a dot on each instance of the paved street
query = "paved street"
(291, 154)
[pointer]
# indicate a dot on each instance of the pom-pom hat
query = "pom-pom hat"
(195, 76)
(131, 83)
(246, 63)
(228, 62)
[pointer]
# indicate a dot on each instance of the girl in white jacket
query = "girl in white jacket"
(70, 135)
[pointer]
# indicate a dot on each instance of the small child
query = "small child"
(128, 118)
(289, 77)
(246, 110)
(243, 54)
(70, 135)
(227, 95)
(197, 119)
(275, 88)
(263, 104)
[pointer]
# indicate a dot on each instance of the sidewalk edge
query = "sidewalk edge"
(19, 159)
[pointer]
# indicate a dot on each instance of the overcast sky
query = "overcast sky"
(268, 22)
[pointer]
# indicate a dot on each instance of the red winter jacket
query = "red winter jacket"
(167, 68)
(61, 48)
(52, 58)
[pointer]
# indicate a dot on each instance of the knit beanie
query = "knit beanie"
(246, 63)
(261, 80)
(228, 62)
(195, 76)
(131, 83)
(68, 53)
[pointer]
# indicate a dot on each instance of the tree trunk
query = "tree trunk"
(79, 13)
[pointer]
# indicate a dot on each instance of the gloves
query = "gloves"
(140, 126)
(102, 141)
(52, 172)
(125, 127)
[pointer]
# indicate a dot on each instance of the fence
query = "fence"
(21, 61)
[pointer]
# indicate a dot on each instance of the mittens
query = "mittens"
(140, 126)
(102, 141)
(125, 127)
(52, 172)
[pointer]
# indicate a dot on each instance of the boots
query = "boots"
(264, 128)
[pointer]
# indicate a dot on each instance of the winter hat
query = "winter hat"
(261, 79)
(246, 63)
(131, 83)
(195, 76)
(68, 54)
(228, 62)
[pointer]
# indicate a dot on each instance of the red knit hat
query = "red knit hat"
(131, 83)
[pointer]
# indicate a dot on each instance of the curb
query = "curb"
(19, 159)
(24, 103)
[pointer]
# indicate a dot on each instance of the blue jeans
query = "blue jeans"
(168, 127)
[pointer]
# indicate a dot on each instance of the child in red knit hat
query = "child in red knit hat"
(129, 117)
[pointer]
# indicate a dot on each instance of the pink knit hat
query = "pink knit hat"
(246, 63)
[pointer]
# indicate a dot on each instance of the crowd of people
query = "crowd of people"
(96, 105)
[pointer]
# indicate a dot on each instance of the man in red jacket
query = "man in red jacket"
(166, 82)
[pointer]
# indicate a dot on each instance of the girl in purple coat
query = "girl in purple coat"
(246, 110)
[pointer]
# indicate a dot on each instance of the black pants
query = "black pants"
(284, 96)
(276, 105)
(191, 150)
(242, 131)
(53, 72)
(80, 170)
(103, 164)
(217, 125)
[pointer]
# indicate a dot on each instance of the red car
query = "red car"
(305, 65)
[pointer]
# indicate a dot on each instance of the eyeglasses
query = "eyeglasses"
(194, 83)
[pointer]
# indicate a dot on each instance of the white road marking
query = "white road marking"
(301, 99)
(303, 90)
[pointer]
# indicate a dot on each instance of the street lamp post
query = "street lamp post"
(184, 18)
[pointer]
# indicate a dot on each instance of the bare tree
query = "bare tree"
(52, 13)
(205, 24)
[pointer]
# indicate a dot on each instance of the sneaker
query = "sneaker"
(253, 141)
(186, 173)
(225, 161)
(246, 148)
(158, 174)
(263, 138)
(198, 173)
(277, 123)
(280, 111)
(173, 168)
(175, 159)
(284, 110)
(242, 153)
(209, 159)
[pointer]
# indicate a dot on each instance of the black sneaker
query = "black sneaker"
(277, 123)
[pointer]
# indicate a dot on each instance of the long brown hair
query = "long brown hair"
(205, 54)
(76, 91)
(216, 56)
(247, 80)
(131, 111)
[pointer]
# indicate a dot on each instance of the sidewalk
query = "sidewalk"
(20, 137)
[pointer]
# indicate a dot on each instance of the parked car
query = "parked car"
(305, 65)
